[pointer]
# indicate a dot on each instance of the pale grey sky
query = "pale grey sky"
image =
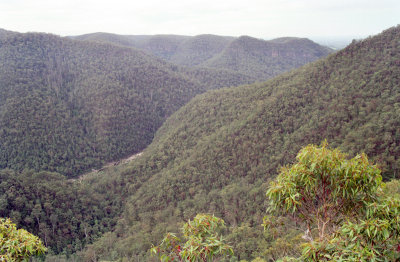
(258, 18)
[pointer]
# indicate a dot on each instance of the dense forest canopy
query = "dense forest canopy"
(216, 154)
(65, 214)
(68, 106)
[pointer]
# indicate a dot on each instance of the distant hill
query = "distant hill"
(196, 50)
(162, 46)
(5, 33)
(257, 58)
(265, 59)
(217, 153)
(106, 37)
(68, 105)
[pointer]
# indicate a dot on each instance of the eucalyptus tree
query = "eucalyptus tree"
(18, 244)
(203, 242)
(323, 188)
(341, 205)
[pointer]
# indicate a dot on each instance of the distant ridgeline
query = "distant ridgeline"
(216, 154)
(68, 106)
(254, 57)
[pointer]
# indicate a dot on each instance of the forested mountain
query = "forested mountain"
(218, 152)
(257, 58)
(67, 105)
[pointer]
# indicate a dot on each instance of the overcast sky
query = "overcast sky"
(258, 18)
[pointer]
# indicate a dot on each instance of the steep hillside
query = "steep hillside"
(249, 56)
(217, 153)
(67, 105)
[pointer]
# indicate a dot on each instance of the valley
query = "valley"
(69, 106)
(173, 126)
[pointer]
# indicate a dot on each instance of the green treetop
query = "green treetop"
(341, 203)
(324, 187)
(202, 241)
(17, 244)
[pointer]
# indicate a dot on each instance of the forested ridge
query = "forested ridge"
(218, 152)
(254, 57)
(68, 106)
(214, 155)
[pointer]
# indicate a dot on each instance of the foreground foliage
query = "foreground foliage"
(342, 199)
(374, 236)
(18, 244)
(323, 188)
(203, 242)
